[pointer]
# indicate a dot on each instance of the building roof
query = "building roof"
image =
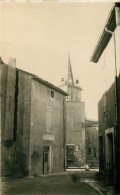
(90, 122)
(105, 36)
(50, 85)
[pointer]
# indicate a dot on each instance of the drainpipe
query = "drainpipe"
(86, 139)
(117, 166)
(116, 95)
(112, 33)
(65, 133)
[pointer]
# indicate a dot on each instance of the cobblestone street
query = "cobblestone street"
(73, 183)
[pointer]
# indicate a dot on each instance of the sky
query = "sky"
(40, 35)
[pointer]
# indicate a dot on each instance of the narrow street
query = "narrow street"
(73, 183)
(60, 97)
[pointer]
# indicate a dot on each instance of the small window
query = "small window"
(79, 148)
(94, 152)
(104, 103)
(83, 125)
(52, 94)
(88, 151)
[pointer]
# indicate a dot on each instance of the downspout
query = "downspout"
(30, 129)
(85, 140)
(112, 33)
(64, 129)
(117, 176)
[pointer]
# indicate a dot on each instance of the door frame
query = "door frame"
(49, 158)
(107, 134)
(66, 152)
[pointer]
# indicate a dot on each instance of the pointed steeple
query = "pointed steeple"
(70, 79)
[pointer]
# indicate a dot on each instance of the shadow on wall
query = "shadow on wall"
(20, 161)
(17, 165)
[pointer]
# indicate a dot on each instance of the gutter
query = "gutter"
(105, 36)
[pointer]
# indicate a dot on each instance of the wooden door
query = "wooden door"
(46, 161)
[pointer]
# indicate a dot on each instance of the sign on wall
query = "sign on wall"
(48, 137)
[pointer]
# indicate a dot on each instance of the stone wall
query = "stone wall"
(109, 126)
(23, 121)
(74, 93)
(46, 121)
(31, 119)
(92, 145)
(75, 129)
(8, 81)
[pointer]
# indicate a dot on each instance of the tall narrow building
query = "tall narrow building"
(75, 121)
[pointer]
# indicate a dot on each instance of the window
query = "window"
(83, 125)
(94, 152)
(89, 151)
(46, 153)
(79, 148)
(52, 94)
(104, 103)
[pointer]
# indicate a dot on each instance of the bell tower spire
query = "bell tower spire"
(70, 79)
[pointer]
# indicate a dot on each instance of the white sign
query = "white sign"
(48, 137)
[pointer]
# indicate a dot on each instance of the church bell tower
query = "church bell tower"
(73, 88)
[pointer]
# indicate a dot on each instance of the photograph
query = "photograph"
(60, 97)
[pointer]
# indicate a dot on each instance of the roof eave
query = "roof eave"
(50, 85)
(105, 36)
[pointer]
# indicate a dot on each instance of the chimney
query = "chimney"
(12, 62)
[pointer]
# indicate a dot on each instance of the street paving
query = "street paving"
(73, 183)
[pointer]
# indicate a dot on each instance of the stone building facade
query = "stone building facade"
(107, 110)
(75, 121)
(92, 143)
(33, 124)
(109, 105)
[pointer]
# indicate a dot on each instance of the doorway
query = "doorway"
(70, 155)
(110, 159)
(101, 153)
(46, 159)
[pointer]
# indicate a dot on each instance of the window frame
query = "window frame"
(52, 94)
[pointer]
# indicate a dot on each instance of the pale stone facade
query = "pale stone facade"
(33, 124)
(75, 121)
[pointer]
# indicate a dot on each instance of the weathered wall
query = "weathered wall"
(74, 93)
(23, 121)
(15, 120)
(101, 134)
(92, 146)
(107, 110)
(46, 119)
(8, 80)
(107, 121)
(111, 107)
(28, 116)
(75, 129)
